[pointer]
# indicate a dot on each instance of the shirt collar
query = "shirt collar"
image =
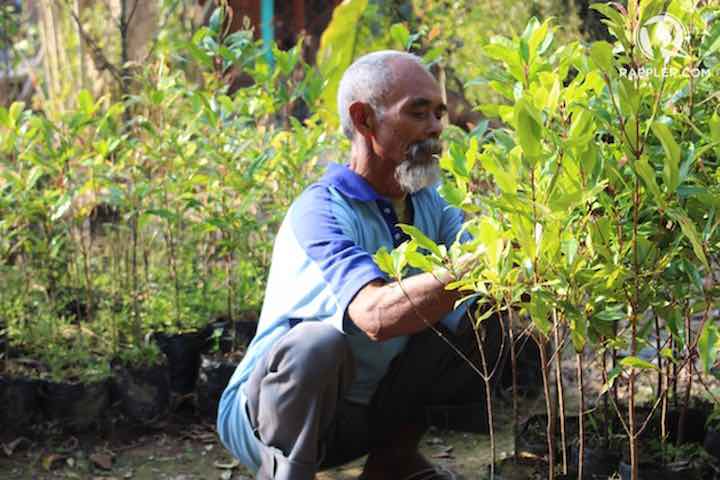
(349, 183)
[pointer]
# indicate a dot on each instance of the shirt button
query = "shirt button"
(397, 236)
(387, 210)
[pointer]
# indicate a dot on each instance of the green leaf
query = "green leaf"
(163, 213)
(384, 261)
(611, 14)
(34, 175)
(401, 35)
(537, 37)
(16, 110)
(647, 174)
(708, 345)
(578, 328)
(667, 353)
(672, 155)
(539, 308)
(504, 176)
(61, 207)
(418, 260)
(581, 130)
(601, 54)
(613, 375)
(689, 230)
(399, 259)
(714, 125)
(85, 102)
(529, 128)
(610, 314)
(337, 46)
(216, 19)
(452, 194)
(635, 362)
(421, 239)
(712, 43)
(569, 249)
(480, 317)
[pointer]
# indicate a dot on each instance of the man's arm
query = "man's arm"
(383, 311)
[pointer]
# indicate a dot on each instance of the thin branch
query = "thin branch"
(99, 59)
(438, 332)
(132, 13)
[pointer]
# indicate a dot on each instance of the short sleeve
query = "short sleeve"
(345, 266)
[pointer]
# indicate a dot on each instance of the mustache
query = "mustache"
(424, 150)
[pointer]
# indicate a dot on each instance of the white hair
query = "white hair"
(368, 80)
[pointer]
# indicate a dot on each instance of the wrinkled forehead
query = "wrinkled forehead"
(412, 82)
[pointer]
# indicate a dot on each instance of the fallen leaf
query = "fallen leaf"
(102, 460)
(226, 475)
(70, 444)
(9, 448)
(70, 462)
(49, 461)
(234, 463)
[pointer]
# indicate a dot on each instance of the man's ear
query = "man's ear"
(363, 118)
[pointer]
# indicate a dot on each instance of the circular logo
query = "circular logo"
(663, 34)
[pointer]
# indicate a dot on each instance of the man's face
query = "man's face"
(407, 131)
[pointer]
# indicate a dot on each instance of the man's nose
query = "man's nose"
(436, 126)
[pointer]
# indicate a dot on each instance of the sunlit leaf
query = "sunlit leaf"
(672, 155)
(708, 345)
(421, 239)
(635, 362)
(384, 261)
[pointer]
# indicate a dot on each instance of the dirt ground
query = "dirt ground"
(194, 453)
(184, 448)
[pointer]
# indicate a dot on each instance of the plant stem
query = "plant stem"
(688, 386)
(634, 321)
(663, 412)
(674, 373)
(659, 386)
(488, 403)
(550, 432)
(631, 414)
(606, 412)
(137, 324)
(513, 364)
(581, 413)
(560, 391)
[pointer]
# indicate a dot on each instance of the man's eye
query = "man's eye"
(422, 114)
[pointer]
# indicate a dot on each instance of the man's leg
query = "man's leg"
(293, 395)
(429, 372)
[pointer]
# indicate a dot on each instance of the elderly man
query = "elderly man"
(342, 364)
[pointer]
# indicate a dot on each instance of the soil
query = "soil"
(193, 452)
(183, 447)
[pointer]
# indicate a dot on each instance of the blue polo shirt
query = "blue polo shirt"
(321, 258)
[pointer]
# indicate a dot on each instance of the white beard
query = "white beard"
(412, 176)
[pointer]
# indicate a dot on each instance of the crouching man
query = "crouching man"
(342, 365)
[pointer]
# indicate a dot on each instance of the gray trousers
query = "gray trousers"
(295, 395)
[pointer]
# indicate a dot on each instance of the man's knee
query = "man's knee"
(316, 350)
